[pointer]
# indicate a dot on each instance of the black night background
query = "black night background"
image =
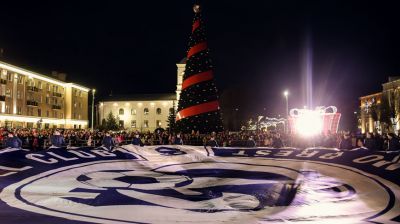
(257, 47)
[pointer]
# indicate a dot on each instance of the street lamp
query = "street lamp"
(93, 92)
(286, 94)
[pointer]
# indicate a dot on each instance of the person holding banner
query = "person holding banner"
(136, 140)
(393, 142)
(345, 143)
(13, 141)
(178, 140)
(369, 141)
(212, 142)
(108, 141)
(57, 140)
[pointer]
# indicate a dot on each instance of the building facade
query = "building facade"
(138, 112)
(32, 100)
(380, 112)
(369, 107)
(143, 112)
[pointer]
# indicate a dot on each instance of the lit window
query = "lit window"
(8, 92)
(133, 111)
(121, 111)
(133, 124)
(146, 111)
(146, 123)
(158, 111)
(20, 79)
(158, 123)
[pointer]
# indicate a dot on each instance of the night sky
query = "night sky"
(257, 46)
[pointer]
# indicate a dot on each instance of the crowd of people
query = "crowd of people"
(36, 139)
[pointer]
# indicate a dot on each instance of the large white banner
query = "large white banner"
(187, 184)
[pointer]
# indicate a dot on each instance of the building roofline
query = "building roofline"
(370, 95)
(140, 97)
(36, 75)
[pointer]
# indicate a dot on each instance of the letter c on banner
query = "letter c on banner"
(35, 157)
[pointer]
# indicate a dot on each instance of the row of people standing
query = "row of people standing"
(371, 141)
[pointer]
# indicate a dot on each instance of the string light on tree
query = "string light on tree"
(198, 107)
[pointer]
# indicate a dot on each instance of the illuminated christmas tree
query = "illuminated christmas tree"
(198, 107)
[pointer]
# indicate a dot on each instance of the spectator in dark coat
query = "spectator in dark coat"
(57, 139)
(250, 142)
(108, 141)
(346, 143)
(370, 142)
(277, 141)
(13, 141)
(379, 142)
(394, 144)
(178, 140)
(212, 142)
(136, 140)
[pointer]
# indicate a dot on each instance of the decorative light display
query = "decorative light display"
(198, 107)
(264, 123)
(308, 123)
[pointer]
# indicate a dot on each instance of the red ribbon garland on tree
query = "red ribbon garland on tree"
(197, 48)
(198, 109)
(194, 79)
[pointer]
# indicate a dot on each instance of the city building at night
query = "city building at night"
(32, 100)
(142, 112)
(380, 112)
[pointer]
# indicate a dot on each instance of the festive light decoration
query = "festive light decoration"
(309, 123)
(264, 123)
(198, 107)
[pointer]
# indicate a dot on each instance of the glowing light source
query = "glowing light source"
(286, 93)
(309, 123)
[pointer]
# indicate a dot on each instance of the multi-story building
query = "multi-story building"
(380, 112)
(32, 100)
(143, 112)
(369, 105)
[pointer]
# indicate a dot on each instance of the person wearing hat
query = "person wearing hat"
(57, 139)
(108, 141)
(13, 141)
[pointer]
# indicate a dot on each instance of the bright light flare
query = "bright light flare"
(309, 123)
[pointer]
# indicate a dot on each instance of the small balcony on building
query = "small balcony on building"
(57, 94)
(56, 107)
(32, 88)
(3, 81)
(32, 103)
(2, 98)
